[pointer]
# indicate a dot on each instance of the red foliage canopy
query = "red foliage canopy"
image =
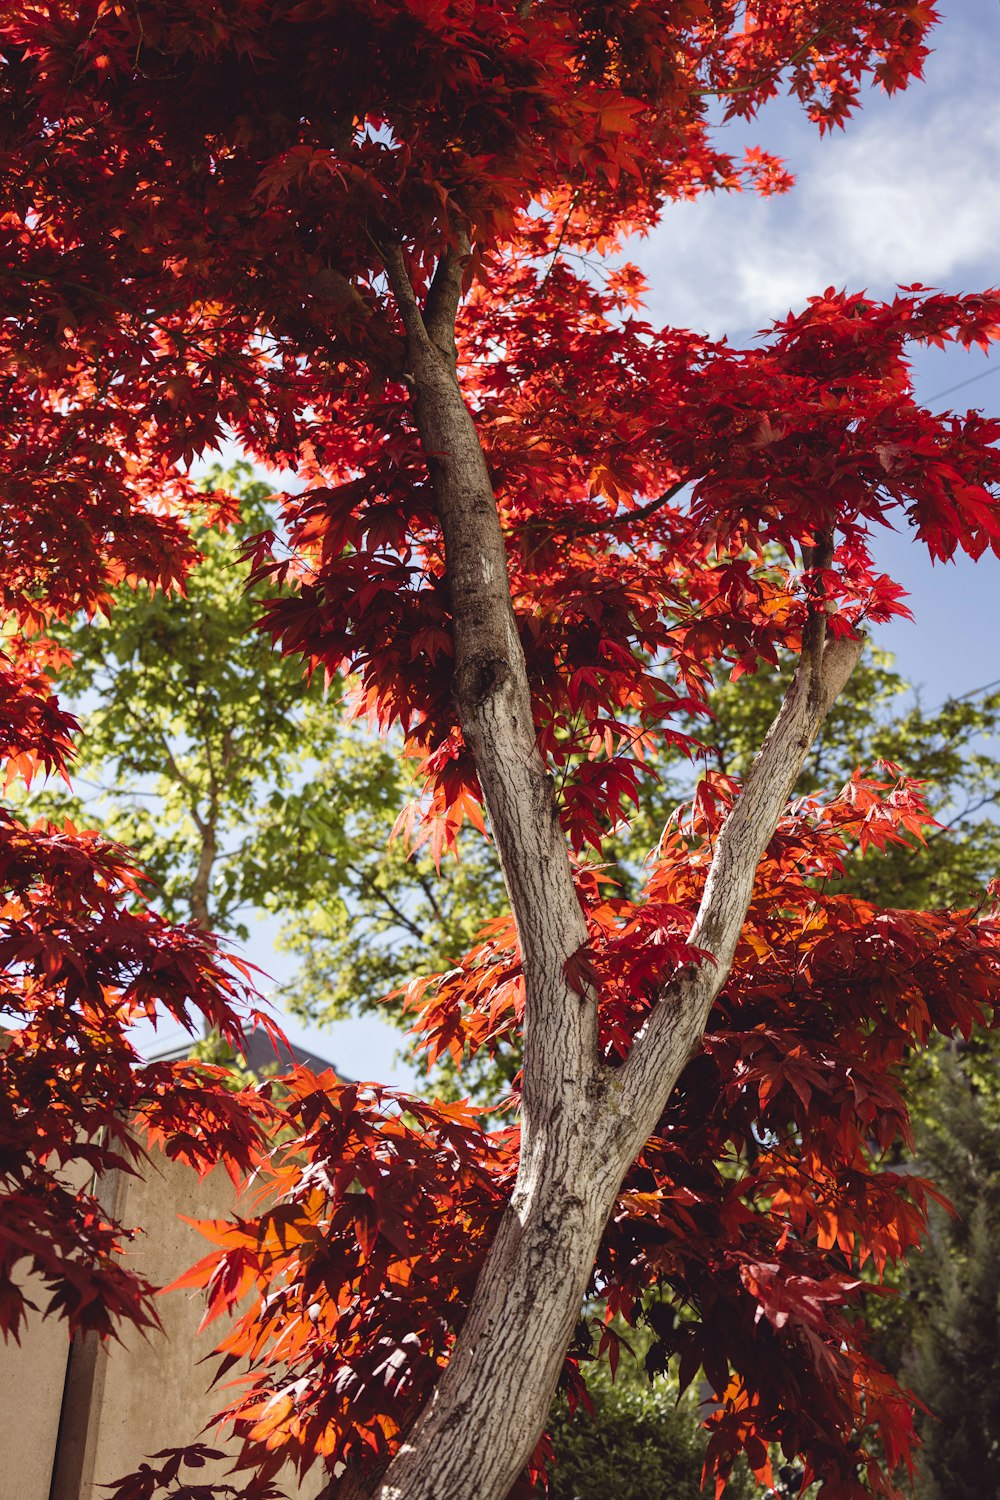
(198, 205)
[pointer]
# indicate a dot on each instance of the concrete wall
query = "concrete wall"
(32, 1380)
(120, 1403)
(32, 1374)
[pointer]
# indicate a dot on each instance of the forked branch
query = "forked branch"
(677, 1023)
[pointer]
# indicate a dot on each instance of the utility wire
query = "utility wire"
(962, 383)
(972, 693)
(961, 698)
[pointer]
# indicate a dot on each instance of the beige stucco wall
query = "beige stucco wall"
(126, 1401)
(32, 1379)
(31, 1387)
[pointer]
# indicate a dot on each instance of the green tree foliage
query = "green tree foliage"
(941, 1334)
(640, 1441)
(355, 938)
(640, 1444)
(244, 791)
(197, 737)
(951, 747)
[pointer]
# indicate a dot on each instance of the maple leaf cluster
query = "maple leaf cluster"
(84, 958)
(361, 1271)
(646, 478)
(747, 1233)
(198, 207)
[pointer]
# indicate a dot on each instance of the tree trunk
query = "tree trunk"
(487, 1412)
(202, 882)
(582, 1123)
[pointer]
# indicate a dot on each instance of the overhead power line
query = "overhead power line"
(962, 383)
(974, 692)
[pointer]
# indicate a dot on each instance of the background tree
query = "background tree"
(949, 747)
(198, 736)
(956, 1282)
(639, 1443)
(940, 1331)
(245, 790)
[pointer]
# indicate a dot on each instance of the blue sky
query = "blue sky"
(910, 192)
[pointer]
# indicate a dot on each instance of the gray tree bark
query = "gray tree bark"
(582, 1123)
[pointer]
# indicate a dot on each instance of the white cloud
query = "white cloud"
(910, 194)
(924, 203)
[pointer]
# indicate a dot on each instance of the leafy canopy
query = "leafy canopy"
(185, 264)
(194, 730)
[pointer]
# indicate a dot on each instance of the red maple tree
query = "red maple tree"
(363, 238)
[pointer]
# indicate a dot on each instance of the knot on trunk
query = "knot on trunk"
(477, 680)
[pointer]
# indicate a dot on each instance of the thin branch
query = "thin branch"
(428, 891)
(766, 78)
(406, 300)
(628, 518)
(675, 1027)
(960, 817)
(559, 242)
(380, 895)
(175, 771)
(202, 881)
(641, 513)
